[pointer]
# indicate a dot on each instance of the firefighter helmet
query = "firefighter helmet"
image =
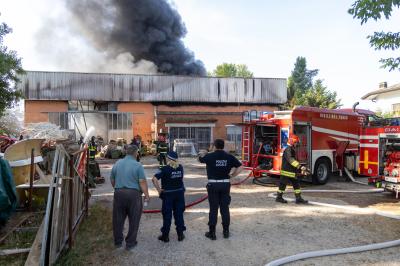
(293, 139)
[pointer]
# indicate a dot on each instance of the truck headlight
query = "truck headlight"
(395, 172)
(385, 172)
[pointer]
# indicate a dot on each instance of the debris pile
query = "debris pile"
(47, 131)
(114, 149)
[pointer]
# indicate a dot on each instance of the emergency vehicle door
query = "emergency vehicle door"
(369, 155)
(303, 152)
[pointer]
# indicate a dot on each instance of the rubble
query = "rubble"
(44, 130)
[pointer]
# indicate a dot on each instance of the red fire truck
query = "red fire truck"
(329, 139)
(380, 153)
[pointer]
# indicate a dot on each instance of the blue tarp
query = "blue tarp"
(8, 194)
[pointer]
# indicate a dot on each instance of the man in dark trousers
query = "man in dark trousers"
(129, 182)
(219, 166)
(162, 150)
(290, 166)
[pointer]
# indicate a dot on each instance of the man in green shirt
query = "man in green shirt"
(129, 181)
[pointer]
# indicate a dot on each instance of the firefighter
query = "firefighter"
(172, 194)
(290, 166)
(162, 150)
(137, 142)
(94, 169)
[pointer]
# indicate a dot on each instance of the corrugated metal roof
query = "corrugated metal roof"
(38, 85)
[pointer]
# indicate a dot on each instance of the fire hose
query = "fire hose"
(338, 251)
(201, 199)
(330, 252)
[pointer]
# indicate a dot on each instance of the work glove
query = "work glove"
(303, 168)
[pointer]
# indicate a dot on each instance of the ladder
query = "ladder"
(246, 145)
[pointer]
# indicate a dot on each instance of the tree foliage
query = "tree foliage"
(302, 78)
(10, 67)
(319, 96)
(302, 90)
(365, 10)
(232, 70)
(385, 114)
(11, 123)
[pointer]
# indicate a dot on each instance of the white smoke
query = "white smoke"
(61, 47)
(125, 63)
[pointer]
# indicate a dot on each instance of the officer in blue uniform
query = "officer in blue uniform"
(219, 166)
(172, 194)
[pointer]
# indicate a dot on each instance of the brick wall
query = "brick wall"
(224, 115)
(35, 111)
(141, 123)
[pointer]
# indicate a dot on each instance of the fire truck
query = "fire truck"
(330, 141)
(380, 153)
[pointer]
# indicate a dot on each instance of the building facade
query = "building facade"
(124, 105)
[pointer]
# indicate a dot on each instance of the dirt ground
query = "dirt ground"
(261, 229)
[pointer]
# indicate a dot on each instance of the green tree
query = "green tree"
(301, 89)
(232, 70)
(302, 78)
(384, 114)
(10, 67)
(319, 96)
(377, 9)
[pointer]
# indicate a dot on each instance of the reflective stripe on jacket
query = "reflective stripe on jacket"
(289, 164)
(92, 151)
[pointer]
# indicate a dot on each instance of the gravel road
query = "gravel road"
(262, 230)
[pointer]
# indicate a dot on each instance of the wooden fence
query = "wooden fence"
(67, 203)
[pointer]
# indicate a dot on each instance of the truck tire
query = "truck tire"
(322, 171)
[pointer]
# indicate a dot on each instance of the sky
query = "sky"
(266, 35)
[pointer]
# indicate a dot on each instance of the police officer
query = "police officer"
(219, 165)
(290, 166)
(172, 194)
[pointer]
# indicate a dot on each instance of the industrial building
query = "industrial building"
(124, 105)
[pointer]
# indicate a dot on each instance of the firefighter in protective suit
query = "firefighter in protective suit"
(290, 166)
(94, 169)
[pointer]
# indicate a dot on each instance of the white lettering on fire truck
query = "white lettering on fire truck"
(333, 116)
(391, 129)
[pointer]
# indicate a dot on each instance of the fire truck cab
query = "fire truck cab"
(329, 139)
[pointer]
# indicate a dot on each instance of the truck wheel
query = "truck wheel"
(322, 171)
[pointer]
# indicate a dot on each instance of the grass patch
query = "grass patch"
(94, 239)
(21, 239)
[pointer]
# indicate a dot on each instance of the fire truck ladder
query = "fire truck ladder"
(246, 143)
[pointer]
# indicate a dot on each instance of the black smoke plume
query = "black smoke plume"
(148, 29)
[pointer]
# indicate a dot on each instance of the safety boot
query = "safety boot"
(300, 200)
(279, 198)
(164, 238)
(225, 232)
(181, 236)
(211, 234)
